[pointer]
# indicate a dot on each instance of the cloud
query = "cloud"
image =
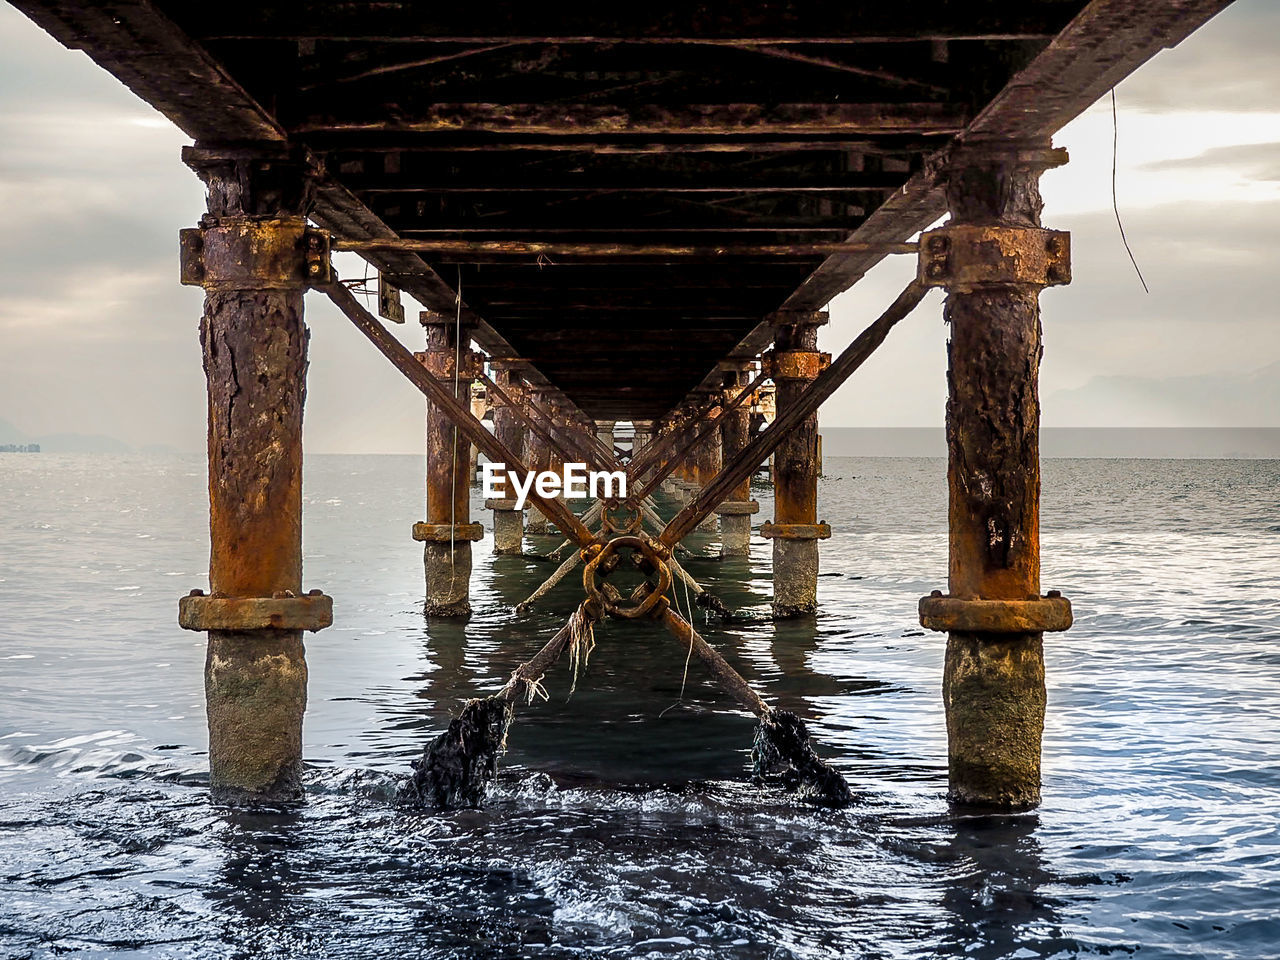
(1238, 399)
(1251, 161)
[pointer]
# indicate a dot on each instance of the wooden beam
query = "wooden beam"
(524, 248)
(628, 182)
(826, 119)
(749, 458)
(347, 143)
(408, 228)
(666, 21)
(453, 408)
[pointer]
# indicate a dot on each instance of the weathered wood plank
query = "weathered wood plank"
(826, 119)
(668, 21)
(533, 248)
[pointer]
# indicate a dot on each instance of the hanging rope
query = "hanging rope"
(1115, 205)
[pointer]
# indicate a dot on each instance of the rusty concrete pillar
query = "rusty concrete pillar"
(447, 533)
(508, 522)
(993, 258)
(479, 409)
(604, 433)
(538, 457)
(254, 256)
(704, 460)
(682, 479)
(796, 530)
(643, 433)
(735, 428)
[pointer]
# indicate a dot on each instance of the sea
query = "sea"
(624, 822)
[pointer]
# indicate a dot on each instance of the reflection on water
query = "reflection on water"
(623, 822)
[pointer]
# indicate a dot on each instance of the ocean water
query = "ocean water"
(624, 823)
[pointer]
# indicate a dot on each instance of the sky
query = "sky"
(98, 337)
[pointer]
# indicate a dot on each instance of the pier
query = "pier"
(622, 222)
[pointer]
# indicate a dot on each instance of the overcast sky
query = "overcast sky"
(97, 336)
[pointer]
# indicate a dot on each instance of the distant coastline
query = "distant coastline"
(1140, 443)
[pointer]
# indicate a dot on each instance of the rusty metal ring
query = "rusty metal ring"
(633, 518)
(597, 555)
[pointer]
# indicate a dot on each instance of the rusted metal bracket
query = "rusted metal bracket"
(254, 253)
(621, 518)
(441, 363)
(1047, 614)
(963, 257)
(795, 531)
(794, 364)
(390, 307)
(314, 611)
(447, 532)
(649, 598)
(737, 508)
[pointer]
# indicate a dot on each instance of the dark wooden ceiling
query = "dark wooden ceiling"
(733, 125)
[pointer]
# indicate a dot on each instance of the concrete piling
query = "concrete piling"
(795, 530)
(448, 532)
(508, 522)
(255, 361)
(736, 512)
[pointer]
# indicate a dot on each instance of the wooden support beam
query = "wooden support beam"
(453, 408)
(798, 228)
(1102, 45)
(633, 181)
(758, 450)
(704, 429)
(590, 119)
(531, 248)
(348, 143)
(667, 22)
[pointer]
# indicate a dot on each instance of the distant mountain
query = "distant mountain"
(63, 442)
(11, 434)
(1208, 400)
(82, 443)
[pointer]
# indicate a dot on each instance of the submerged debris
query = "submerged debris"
(782, 752)
(456, 766)
(711, 602)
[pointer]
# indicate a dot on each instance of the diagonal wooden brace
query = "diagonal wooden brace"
(521, 414)
(457, 412)
(705, 429)
(758, 450)
(661, 446)
(524, 412)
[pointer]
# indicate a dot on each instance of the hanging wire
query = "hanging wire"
(1115, 205)
(688, 612)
